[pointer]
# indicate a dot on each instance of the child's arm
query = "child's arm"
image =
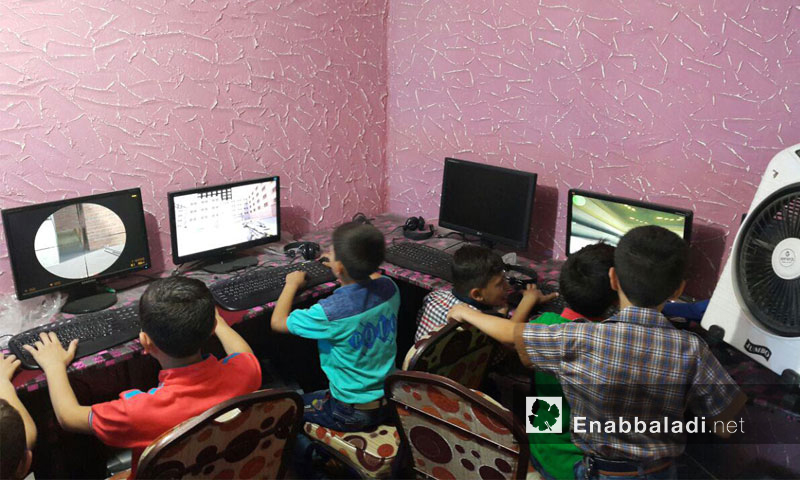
(231, 341)
(8, 365)
(283, 307)
(531, 297)
(53, 359)
(500, 330)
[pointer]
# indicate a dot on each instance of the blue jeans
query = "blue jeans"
(669, 473)
(324, 410)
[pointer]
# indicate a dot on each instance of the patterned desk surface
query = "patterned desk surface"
(270, 255)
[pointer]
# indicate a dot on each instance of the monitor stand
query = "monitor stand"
(89, 298)
(230, 263)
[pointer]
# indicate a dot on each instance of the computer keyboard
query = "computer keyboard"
(94, 331)
(263, 285)
(421, 258)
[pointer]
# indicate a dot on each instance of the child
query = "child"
(356, 330)
(178, 317)
(586, 291)
(479, 281)
(17, 429)
(635, 365)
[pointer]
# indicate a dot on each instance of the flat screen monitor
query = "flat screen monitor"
(215, 222)
(594, 217)
(493, 203)
(75, 242)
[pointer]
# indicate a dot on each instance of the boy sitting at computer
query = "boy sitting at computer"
(586, 290)
(17, 429)
(479, 281)
(633, 366)
(178, 317)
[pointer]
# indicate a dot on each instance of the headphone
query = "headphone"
(361, 218)
(414, 229)
(309, 250)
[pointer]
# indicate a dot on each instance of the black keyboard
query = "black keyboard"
(94, 331)
(421, 258)
(263, 285)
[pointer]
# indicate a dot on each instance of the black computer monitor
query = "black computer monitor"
(492, 203)
(216, 222)
(594, 217)
(72, 244)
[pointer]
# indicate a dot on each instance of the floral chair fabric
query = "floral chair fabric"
(371, 452)
(459, 352)
(453, 432)
(249, 436)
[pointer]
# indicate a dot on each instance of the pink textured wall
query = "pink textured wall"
(680, 102)
(97, 95)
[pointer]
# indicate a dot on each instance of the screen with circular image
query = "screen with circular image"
(80, 241)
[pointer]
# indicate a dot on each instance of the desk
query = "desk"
(754, 379)
(34, 380)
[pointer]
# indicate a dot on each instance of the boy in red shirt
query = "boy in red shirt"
(178, 317)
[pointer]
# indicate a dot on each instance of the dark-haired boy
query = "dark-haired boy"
(177, 316)
(586, 290)
(17, 429)
(634, 366)
(356, 330)
(478, 281)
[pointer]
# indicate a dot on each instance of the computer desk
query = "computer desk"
(33, 380)
(759, 383)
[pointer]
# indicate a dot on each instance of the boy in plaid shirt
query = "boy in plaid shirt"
(635, 365)
(479, 281)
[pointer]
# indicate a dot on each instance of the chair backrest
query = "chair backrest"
(249, 436)
(454, 432)
(457, 351)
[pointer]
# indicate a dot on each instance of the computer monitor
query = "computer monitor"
(594, 217)
(72, 244)
(216, 222)
(492, 203)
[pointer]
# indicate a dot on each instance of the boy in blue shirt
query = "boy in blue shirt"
(355, 329)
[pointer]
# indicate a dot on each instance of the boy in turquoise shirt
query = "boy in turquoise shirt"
(355, 329)
(586, 290)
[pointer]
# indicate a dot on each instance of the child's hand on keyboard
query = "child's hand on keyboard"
(536, 296)
(49, 353)
(296, 279)
(8, 365)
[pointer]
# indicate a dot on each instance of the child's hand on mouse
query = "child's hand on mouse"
(535, 296)
(296, 279)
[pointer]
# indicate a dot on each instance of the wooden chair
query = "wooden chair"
(250, 436)
(457, 351)
(451, 431)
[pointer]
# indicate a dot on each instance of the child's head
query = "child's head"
(358, 249)
(177, 314)
(479, 273)
(649, 265)
(584, 283)
(15, 459)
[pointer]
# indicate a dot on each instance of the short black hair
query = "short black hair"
(651, 263)
(178, 315)
(474, 267)
(584, 284)
(12, 440)
(360, 247)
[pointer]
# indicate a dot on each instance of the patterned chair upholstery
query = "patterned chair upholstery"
(250, 436)
(457, 351)
(369, 452)
(454, 432)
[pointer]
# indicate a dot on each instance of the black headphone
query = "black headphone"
(309, 250)
(414, 229)
(361, 218)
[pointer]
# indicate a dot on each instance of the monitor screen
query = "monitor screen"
(58, 244)
(491, 202)
(594, 217)
(217, 220)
